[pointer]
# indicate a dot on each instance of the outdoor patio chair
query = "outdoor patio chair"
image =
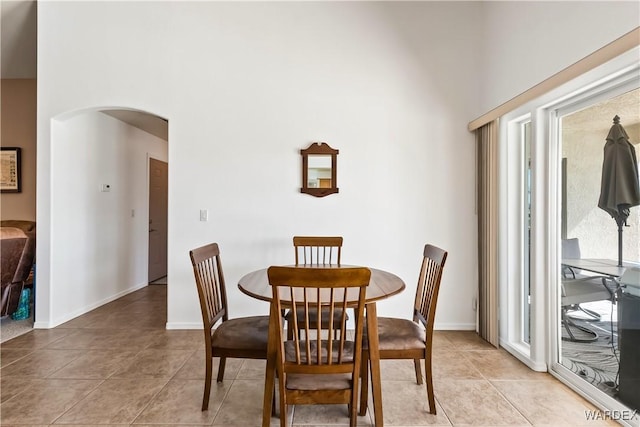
(578, 288)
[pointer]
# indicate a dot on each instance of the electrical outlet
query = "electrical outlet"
(474, 303)
(204, 215)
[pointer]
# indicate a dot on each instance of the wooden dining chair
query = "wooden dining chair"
(318, 369)
(405, 339)
(244, 337)
(317, 251)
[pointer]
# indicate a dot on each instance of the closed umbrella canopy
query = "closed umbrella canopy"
(619, 189)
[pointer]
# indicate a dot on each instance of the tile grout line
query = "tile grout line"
(488, 380)
(442, 407)
(509, 401)
(165, 384)
(226, 394)
(133, 421)
(90, 392)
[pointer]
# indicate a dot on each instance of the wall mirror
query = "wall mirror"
(319, 170)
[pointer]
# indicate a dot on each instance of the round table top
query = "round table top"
(381, 285)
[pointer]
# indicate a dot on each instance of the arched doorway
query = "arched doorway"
(98, 224)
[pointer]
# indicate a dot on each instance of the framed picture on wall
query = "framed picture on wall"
(10, 170)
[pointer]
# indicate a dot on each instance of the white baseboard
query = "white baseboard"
(454, 327)
(185, 325)
(70, 316)
(195, 325)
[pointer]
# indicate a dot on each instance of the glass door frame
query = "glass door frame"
(517, 244)
(611, 86)
(542, 354)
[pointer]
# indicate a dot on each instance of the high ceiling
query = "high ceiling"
(18, 59)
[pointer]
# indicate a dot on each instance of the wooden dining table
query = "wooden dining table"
(381, 285)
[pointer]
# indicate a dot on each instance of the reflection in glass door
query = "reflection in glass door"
(591, 343)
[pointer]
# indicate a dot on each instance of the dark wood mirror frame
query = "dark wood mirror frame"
(319, 149)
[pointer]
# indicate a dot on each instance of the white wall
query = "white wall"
(101, 250)
(245, 86)
(526, 42)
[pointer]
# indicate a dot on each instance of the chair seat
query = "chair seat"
(398, 334)
(318, 382)
(313, 317)
(581, 291)
(232, 334)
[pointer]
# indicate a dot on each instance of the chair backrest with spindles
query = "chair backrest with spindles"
(305, 289)
(317, 250)
(433, 261)
(207, 269)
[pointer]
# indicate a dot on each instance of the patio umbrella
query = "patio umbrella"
(619, 189)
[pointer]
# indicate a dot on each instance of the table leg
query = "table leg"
(374, 356)
(269, 377)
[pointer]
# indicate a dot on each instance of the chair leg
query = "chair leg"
(273, 403)
(274, 400)
(566, 327)
(429, 381)
(364, 383)
(353, 412)
(416, 364)
(283, 402)
(596, 316)
(353, 406)
(207, 382)
(223, 363)
(283, 415)
(568, 323)
(593, 316)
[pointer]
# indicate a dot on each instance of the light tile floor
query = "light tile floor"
(117, 365)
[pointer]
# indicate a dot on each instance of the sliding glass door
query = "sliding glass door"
(589, 340)
(564, 306)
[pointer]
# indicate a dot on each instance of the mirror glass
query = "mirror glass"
(319, 171)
